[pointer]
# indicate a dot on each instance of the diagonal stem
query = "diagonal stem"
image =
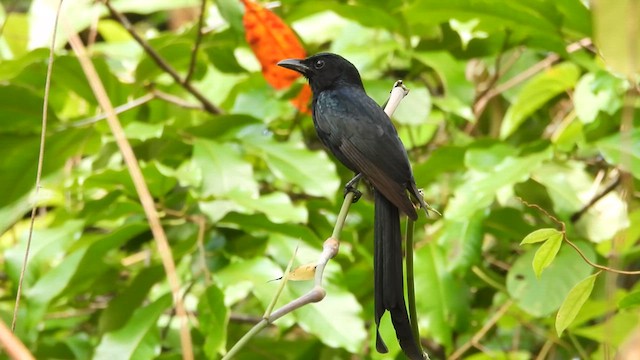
(206, 104)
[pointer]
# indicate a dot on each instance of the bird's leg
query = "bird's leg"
(352, 186)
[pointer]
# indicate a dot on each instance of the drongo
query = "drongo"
(361, 136)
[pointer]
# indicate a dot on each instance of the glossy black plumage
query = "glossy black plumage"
(359, 134)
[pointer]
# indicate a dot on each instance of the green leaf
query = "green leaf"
(213, 318)
(121, 308)
(442, 300)
(536, 92)
(546, 253)
(126, 341)
(539, 235)
(623, 150)
(614, 330)
(478, 189)
(335, 320)
(464, 241)
(631, 300)
(143, 131)
(541, 296)
(573, 303)
(415, 107)
(537, 20)
(588, 101)
(223, 169)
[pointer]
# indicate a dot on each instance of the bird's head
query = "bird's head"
(325, 71)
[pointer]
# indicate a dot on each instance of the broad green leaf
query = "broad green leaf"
(311, 171)
(143, 131)
(442, 301)
(589, 99)
(486, 159)
(336, 320)
(573, 303)
(616, 35)
(536, 92)
(446, 159)
(541, 296)
(546, 253)
(126, 341)
(479, 189)
(277, 206)
(539, 235)
(623, 150)
(631, 300)
(538, 20)
(213, 316)
(223, 169)
(415, 107)
(614, 330)
(463, 240)
(151, 6)
(14, 29)
(12, 68)
(366, 15)
(47, 245)
(452, 73)
(120, 309)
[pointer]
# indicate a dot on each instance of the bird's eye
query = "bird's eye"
(319, 64)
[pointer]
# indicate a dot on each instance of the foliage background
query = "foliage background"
(509, 100)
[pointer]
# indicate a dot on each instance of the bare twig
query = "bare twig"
(118, 110)
(141, 188)
(206, 104)
(329, 250)
(575, 217)
(43, 136)
(482, 102)
(563, 230)
(175, 100)
(475, 339)
(196, 45)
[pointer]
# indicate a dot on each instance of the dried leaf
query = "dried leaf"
(271, 41)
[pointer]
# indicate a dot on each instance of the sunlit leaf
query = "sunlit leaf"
(126, 341)
(223, 169)
(539, 235)
(573, 303)
(214, 317)
(536, 92)
(541, 296)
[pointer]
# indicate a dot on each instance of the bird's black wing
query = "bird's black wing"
(361, 136)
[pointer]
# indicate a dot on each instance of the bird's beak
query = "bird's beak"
(296, 65)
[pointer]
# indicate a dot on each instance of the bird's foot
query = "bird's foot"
(352, 187)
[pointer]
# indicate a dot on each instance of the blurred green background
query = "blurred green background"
(532, 100)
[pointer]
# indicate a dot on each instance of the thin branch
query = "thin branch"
(118, 110)
(576, 216)
(12, 345)
(475, 339)
(563, 230)
(43, 136)
(206, 104)
(175, 100)
(196, 46)
(482, 102)
(141, 188)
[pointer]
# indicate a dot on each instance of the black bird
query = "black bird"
(360, 134)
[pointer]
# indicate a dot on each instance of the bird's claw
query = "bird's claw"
(357, 194)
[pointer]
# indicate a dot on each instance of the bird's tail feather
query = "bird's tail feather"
(389, 286)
